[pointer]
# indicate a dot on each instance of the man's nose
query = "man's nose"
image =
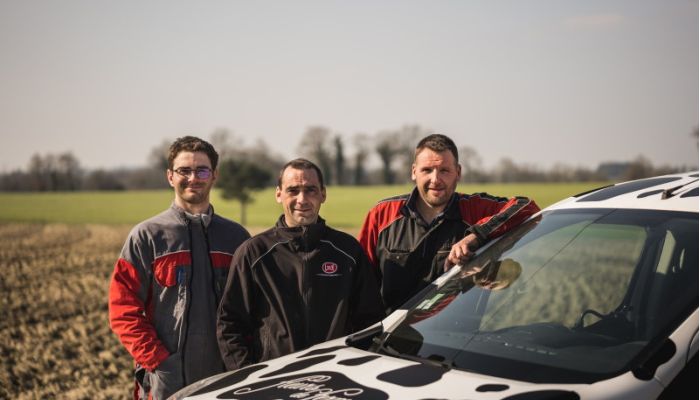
(433, 175)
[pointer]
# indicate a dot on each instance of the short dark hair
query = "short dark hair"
(300, 163)
(192, 144)
(437, 143)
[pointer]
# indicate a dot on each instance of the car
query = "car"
(594, 297)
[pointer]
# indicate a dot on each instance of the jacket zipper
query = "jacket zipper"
(188, 302)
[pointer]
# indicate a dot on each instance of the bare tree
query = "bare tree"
(388, 147)
(315, 146)
(54, 172)
(339, 160)
(158, 157)
(471, 164)
(361, 143)
(408, 135)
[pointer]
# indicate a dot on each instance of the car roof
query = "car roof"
(675, 192)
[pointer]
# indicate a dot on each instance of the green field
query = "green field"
(345, 208)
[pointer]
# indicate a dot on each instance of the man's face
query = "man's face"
(191, 190)
(301, 196)
(436, 176)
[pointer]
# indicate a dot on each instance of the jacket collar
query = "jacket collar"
(451, 211)
(305, 237)
(185, 217)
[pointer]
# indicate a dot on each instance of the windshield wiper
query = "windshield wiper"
(383, 347)
(668, 193)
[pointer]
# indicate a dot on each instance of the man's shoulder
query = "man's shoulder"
(260, 242)
(162, 221)
(480, 196)
(340, 236)
(398, 199)
(228, 224)
(391, 205)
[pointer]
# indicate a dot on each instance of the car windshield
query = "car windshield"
(570, 296)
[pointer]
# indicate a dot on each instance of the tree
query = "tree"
(408, 135)
(158, 158)
(239, 178)
(314, 145)
(339, 160)
(54, 172)
(360, 141)
(387, 148)
(471, 164)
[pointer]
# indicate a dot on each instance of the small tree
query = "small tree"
(238, 179)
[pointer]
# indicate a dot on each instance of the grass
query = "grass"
(345, 208)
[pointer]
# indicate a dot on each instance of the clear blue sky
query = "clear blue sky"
(540, 82)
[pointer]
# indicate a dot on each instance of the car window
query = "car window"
(570, 296)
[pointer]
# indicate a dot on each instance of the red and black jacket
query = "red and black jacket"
(409, 253)
(154, 283)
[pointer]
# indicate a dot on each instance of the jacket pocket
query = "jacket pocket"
(171, 269)
(168, 273)
(166, 379)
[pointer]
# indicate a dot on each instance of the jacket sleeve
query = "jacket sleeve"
(491, 217)
(368, 237)
(367, 307)
(128, 310)
(234, 327)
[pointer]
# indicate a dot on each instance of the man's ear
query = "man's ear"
(413, 172)
(169, 177)
(323, 195)
(278, 195)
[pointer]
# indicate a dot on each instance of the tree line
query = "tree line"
(249, 166)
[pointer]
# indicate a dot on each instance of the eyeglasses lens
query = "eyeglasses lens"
(200, 173)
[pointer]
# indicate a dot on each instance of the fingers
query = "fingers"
(461, 251)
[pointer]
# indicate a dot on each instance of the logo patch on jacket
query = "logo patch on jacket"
(329, 268)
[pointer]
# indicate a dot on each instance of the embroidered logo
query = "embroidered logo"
(329, 267)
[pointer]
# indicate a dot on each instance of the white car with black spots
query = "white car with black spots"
(595, 297)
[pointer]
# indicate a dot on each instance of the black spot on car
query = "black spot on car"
(413, 376)
(312, 385)
(321, 351)
(492, 388)
(357, 361)
(299, 365)
(545, 395)
(231, 378)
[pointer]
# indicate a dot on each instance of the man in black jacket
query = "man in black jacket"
(297, 284)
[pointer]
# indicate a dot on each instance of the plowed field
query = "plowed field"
(55, 340)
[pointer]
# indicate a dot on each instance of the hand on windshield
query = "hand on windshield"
(462, 251)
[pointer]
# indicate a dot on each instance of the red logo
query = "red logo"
(329, 267)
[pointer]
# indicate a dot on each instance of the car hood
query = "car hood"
(333, 370)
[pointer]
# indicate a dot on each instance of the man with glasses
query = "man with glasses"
(170, 277)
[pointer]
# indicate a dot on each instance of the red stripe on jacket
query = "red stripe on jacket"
(383, 215)
(220, 259)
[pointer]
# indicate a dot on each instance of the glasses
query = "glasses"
(203, 173)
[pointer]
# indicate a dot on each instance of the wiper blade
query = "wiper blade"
(385, 348)
(668, 193)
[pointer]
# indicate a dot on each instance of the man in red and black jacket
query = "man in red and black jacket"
(411, 239)
(170, 277)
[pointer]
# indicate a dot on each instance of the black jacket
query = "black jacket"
(291, 288)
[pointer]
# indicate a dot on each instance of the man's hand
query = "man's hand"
(462, 251)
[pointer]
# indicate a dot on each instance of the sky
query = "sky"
(541, 82)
